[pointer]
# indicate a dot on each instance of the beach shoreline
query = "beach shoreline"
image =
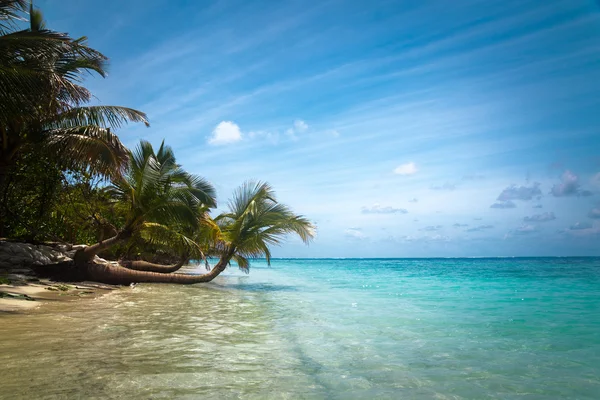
(25, 286)
(23, 291)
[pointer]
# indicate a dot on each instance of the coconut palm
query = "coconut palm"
(164, 202)
(254, 222)
(43, 103)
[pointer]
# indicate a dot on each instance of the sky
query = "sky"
(422, 128)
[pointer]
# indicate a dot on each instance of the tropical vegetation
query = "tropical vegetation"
(66, 177)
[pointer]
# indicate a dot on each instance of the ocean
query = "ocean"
(490, 328)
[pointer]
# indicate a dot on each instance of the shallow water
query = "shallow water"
(341, 329)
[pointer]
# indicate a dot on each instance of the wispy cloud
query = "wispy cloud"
(582, 230)
(445, 186)
(514, 192)
(524, 229)
(355, 233)
(425, 239)
(569, 186)
(378, 209)
(504, 205)
(324, 109)
(480, 228)
(431, 228)
(545, 217)
(594, 213)
(406, 169)
(595, 180)
(580, 225)
(298, 128)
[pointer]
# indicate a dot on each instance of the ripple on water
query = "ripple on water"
(322, 329)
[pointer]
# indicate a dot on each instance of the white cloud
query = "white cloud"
(582, 230)
(594, 213)
(524, 229)
(226, 132)
(406, 169)
(514, 192)
(425, 239)
(378, 209)
(300, 126)
(355, 233)
(479, 228)
(333, 133)
(504, 205)
(596, 180)
(431, 228)
(547, 216)
(580, 225)
(568, 186)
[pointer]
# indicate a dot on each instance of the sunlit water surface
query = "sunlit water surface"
(339, 329)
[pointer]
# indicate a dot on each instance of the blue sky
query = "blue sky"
(402, 128)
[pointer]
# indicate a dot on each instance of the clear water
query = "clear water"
(316, 329)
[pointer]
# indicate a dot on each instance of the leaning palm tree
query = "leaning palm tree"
(254, 222)
(163, 201)
(43, 102)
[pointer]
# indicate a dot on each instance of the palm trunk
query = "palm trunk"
(151, 267)
(123, 276)
(84, 256)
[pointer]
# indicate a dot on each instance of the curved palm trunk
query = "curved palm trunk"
(123, 276)
(85, 256)
(151, 267)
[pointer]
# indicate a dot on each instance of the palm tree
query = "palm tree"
(255, 221)
(164, 202)
(42, 101)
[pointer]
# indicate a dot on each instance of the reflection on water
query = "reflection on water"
(159, 341)
(322, 329)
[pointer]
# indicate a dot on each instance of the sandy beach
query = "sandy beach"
(21, 291)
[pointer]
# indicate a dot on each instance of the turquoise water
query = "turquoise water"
(340, 329)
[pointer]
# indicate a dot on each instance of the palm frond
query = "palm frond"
(256, 221)
(10, 12)
(103, 116)
(88, 146)
(242, 262)
(166, 237)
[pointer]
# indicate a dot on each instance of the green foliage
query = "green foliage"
(46, 129)
(43, 101)
(43, 202)
(65, 176)
(256, 221)
(164, 204)
(31, 190)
